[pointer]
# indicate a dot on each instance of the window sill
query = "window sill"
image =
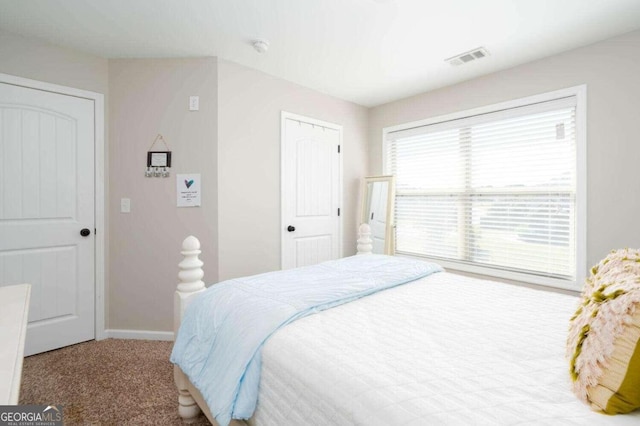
(510, 277)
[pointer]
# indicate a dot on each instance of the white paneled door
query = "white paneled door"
(311, 191)
(47, 211)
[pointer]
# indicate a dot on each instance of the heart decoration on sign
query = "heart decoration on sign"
(188, 183)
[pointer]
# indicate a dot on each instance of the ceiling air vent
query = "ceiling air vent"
(469, 56)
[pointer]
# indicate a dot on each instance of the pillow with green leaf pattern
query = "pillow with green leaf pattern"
(603, 346)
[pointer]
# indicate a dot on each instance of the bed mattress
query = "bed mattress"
(445, 349)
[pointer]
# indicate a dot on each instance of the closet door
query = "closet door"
(311, 191)
(47, 211)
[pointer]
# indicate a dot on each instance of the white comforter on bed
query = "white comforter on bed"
(442, 350)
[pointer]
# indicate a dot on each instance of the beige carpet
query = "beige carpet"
(111, 382)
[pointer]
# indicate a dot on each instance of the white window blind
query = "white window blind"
(496, 190)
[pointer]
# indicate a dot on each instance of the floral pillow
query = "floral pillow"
(603, 346)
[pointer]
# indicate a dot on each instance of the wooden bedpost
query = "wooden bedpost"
(190, 284)
(365, 243)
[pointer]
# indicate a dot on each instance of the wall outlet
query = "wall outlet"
(125, 205)
(194, 103)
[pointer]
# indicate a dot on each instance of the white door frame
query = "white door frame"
(99, 202)
(284, 115)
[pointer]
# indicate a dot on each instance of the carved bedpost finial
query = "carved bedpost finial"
(191, 272)
(365, 243)
(190, 285)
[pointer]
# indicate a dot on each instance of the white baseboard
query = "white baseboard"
(139, 335)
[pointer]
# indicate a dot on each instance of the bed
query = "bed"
(442, 349)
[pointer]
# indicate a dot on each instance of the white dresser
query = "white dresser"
(14, 313)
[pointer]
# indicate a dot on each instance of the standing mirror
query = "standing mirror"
(377, 211)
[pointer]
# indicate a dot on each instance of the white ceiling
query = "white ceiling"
(366, 51)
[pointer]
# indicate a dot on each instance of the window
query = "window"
(495, 191)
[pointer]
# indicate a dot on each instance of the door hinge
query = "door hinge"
(338, 211)
(338, 149)
(95, 231)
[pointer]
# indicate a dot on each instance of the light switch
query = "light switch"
(194, 103)
(125, 205)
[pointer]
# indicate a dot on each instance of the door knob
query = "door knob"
(291, 228)
(85, 232)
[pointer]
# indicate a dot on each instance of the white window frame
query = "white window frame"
(580, 93)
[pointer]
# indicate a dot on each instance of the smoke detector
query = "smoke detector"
(469, 56)
(260, 45)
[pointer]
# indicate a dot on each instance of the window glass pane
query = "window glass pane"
(428, 225)
(415, 167)
(526, 233)
(532, 151)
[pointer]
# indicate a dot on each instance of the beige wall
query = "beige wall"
(234, 142)
(151, 96)
(38, 60)
(146, 97)
(249, 106)
(611, 71)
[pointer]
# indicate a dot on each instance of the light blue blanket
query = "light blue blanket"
(218, 344)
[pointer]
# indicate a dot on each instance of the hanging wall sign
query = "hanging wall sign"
(159, 159)
(188, 186)
(158, 162)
